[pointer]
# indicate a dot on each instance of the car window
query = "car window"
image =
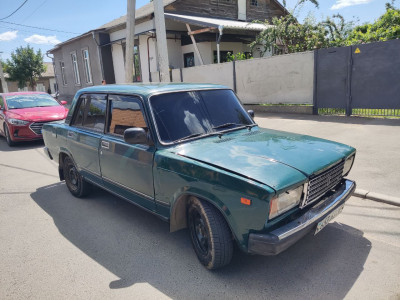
(30, 100)
(91, 113)
(125, 112)
(186, 114)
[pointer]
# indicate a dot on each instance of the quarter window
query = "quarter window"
(126, 112)
(91, 113)
(64, 79)
(86, 63)
(75, 67)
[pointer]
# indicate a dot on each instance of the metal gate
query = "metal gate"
(361, 79)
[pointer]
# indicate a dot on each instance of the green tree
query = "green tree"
(25, 66)
(387, 27)
(238, 56)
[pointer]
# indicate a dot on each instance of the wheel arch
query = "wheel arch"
(178, 214)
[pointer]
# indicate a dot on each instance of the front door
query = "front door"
(87, 129)
(127, 169)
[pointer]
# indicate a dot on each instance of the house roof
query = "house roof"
(49, 70)
(214, 22)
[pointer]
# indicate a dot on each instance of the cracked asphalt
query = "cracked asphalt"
(55, 246)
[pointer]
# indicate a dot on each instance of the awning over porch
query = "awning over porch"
(216, 23)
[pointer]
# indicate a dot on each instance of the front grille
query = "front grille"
(37, 127)
(323, 182)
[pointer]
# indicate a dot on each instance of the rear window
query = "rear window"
(29, 101)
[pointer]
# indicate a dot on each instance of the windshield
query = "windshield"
(188, 114)
(32, 100)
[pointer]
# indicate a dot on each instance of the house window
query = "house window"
(188, 59)
(223, 55)
(254, 2)
(63, 77)
(75, 67)
(86, 63)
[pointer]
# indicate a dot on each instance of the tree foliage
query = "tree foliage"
(387, 27)
(25, 66)
(286, 35)
(238, 56)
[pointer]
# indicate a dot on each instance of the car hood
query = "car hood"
(39, 114)
(275, 158)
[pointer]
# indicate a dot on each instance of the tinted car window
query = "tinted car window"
(91, 113)
(126, 112)
(30, 100)
(196, 113)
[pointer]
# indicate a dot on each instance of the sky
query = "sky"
(60, 20)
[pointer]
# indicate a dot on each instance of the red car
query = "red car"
(23, 114)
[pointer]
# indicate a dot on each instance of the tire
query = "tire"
(75, 182)
(210, 234)
(8, 136)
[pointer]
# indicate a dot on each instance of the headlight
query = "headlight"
(285, 201)
(348, 164)
(18, 122)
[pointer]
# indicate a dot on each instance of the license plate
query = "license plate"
(329, 218)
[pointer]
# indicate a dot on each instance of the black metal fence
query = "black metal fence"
(358, 80)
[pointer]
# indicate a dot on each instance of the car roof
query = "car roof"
(147, 89)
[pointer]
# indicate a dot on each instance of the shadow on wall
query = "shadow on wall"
(137, 247)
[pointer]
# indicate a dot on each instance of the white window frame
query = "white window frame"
(63, 77)
(87, 66)
(75, 67)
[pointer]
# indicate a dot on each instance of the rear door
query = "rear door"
(85, 133)
(127, 169)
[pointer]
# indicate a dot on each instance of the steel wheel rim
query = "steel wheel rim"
(73, 177)
(199, 232)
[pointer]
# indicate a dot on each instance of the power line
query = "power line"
(41, 28)
(43, 3)
(15, 10)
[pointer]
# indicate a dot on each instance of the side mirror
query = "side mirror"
(136, 136)
(63, 102)
(251, 113)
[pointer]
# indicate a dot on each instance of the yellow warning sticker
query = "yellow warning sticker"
(357, 51)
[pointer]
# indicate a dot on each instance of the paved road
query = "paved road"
(377, 165)
(54, 246)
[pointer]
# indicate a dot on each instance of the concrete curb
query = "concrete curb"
(377, 197)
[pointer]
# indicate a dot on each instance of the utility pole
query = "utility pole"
(3, 80)
(130, 40)
(162, 48)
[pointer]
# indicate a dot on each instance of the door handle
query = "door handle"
(105, 145)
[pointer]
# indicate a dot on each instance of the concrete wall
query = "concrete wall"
(176, 75)
(215, 73)
(277, 79)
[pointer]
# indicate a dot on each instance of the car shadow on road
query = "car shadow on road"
(20, 145)
(138, 248)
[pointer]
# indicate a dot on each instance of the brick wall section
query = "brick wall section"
(127, 117)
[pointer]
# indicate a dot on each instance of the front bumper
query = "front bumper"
(282, 238)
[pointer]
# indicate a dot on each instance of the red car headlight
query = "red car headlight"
(17, 122)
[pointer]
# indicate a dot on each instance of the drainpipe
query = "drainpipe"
(99, 55)
(220, 33)
(55, 72)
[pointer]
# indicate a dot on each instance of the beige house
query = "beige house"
(45, 83)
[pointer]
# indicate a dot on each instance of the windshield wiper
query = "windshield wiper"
(231, 124)
(188, 137)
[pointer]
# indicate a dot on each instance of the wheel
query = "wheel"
(8, 136)
(210, 234)
(75, 182)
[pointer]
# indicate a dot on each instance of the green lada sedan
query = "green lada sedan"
(191, 154)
